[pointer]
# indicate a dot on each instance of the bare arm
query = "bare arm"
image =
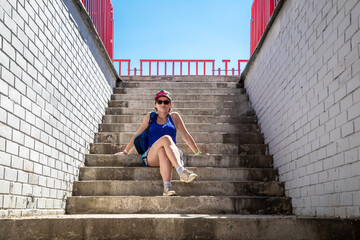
(180, 127)
(142, 128)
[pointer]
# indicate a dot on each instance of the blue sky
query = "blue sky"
(182, 29)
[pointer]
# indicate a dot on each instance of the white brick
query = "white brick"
(346, 199)
(354, 111)
(33, 179)
(23, 177)
(4, 187)
(16, 162)
(10, 174)
(9, 201)
(12, 148)
(15, 188)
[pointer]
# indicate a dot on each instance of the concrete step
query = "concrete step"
(213, 148)
(191, 127)
(185, 97)
(152, 90)
(178, 226)
(184, 111)
(198, 188)
(186, 118)
(176, 78)
(178, 205)
(220, 160)
(153, 173)
(199, 137)
(182, 85)
(180, 104)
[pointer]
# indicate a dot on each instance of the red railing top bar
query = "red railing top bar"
(181, 61)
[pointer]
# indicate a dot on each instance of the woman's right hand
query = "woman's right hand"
(122, 153)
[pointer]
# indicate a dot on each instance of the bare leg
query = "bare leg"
(165, 165)
(170, 150)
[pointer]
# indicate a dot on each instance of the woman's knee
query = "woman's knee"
(166, 139)
(162, 152)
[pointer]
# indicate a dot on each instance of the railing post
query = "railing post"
(129, 68)
(188, 67)
(233, 71)
(157, 66)
(173, 72)
(213, 67)
(204, 68)
(197, 68)
(180, 68)
(134, 71)
(141, 61)
(219, 71)
(226, 62)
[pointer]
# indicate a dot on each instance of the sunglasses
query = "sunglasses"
(166, 102)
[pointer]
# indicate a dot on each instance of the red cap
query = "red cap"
(163, 93)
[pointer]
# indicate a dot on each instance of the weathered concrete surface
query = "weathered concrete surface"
(178, 204)
(197, 188)
(214, 160)
(195, 127)
(213, 148)
(199, 137)
(178, 226)
(152, 90)
(184, 111)
(186, 97)
(186, 118)
(153, 173)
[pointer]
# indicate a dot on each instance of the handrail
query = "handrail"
(261, 11)
(181, 62)
(101, 14)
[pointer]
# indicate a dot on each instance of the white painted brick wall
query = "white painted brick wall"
(305, 87)
(53, 94)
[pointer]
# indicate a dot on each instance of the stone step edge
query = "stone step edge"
(178, 181)
(205, 226)
(232, 168)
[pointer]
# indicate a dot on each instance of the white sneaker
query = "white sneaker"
(187, 176)
(168, 191)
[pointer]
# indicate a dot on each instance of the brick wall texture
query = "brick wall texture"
(305, 87)
(52, 97)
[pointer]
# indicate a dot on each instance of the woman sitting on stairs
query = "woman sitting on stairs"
(162, 150)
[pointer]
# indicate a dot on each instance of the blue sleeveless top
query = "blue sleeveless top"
(156, 131)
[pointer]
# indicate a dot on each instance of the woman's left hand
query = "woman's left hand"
(207, 154)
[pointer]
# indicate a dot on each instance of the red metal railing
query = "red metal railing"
(176, 62)
(101, 13)
(261, 12)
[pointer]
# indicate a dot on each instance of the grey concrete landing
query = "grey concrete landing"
(178, 226)
(212, 148)
(182, 85)
(197, 188)
(204, 173)
(185, 97)
(152, 90)
(191, 127)
(184, 111)
(186, 118)
(199, 137)
(214, 160)
(178, 204)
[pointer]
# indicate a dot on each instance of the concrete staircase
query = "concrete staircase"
(236, 178)
(236, 196)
